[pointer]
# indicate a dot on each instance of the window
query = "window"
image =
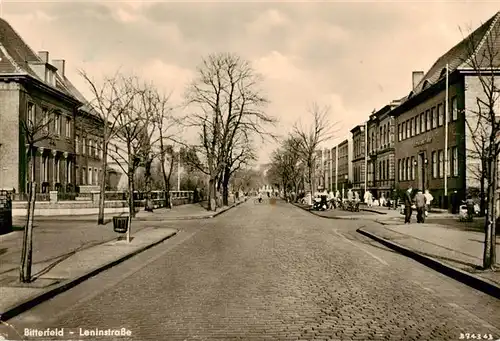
(427, 120)
(411, 127)
(58, 170)
(77, 144)
(45, 120)
(440, 114)
(434, 165)
(422, 123)
(78, 175)
(84, 176)
(454, 157)
(57, 123)
(84, 146)
(68, 127)
(399, 170)
(415, 119)
(441, 163)
(413, 168)
(434, 118)
(31, 114)
(449, 163)
(44, 169)
(454, 108)
(89, 180)
(407, 172)
(96, 179)
(408, 129)
(400, 133)
(89, 145)
(68, 171)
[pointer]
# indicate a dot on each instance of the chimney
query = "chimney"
(416, 76)
(44, 56)
(60, 64)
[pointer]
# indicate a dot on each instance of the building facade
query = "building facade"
(343, 161)
(334, 173)
(358, 158)
(425, 155)
(380, 149)
(35, 99)
(327, 168)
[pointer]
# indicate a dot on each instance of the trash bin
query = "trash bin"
(120, 224)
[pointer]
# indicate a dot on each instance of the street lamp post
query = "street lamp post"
(179, 171)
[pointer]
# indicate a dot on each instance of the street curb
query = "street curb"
(372, 211)
(210, 216)
(469, 279)
(322, 216)
(44, 296)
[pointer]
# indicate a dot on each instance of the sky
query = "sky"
(353, 57)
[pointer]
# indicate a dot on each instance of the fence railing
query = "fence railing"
(158, 197)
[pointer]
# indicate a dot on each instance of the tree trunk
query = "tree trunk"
(27, 252)
(147, 173)
(490, 220)
(102, 196)
(482, 203)
(212, 194)
(225, 187)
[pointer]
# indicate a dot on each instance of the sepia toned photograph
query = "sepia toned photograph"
(249, 170)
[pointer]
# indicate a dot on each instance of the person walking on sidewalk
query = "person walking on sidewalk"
(420, 201)
(407, 203)
(428, 200)
(368, 198)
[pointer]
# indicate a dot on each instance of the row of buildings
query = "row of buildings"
(32, 87)
(404, 143)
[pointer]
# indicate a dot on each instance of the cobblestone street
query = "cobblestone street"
(272, 272)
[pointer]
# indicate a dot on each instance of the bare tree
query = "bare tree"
(483, 124)
(133, 126)
(37, 128)
(226, 93)
(165, 122)
(310, 138)
(285, 168)
(109, 101)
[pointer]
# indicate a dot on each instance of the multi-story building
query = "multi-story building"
(88, 143)
(334, 167)
(327, 168)
(358, 158)
(343, 166)
(36, 93)
(421, 120)
(380, 149)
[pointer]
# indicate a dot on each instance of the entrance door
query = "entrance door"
(421, 162)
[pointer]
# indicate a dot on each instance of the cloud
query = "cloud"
(353, 57)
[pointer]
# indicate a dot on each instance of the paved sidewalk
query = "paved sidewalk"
(54, 240)
(453, 248)
(183, 212)
(61, 276)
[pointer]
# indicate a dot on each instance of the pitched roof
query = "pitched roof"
(16, 56)
(457, 56)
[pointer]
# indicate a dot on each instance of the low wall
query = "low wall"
(47, 208)
(79, 207)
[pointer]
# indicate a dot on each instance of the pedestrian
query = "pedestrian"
(420, 203)
(382, 200)
(368, 198)
(394, 199)
(454, 202)
(428, 200)
(407, 203)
